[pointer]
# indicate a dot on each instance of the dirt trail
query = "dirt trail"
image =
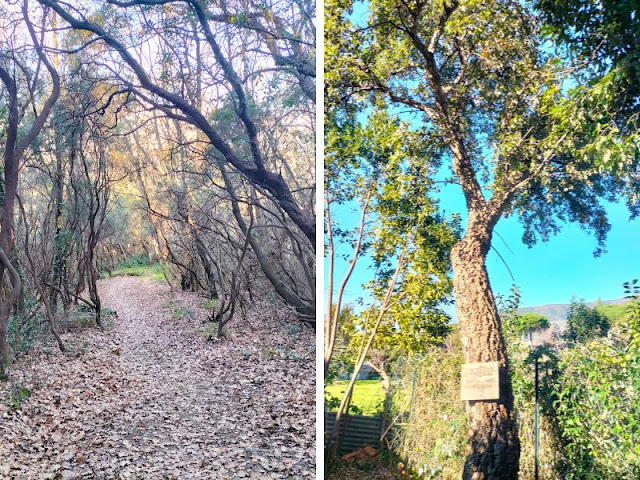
(152, 399)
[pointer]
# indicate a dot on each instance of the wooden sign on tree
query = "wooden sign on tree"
(480, 381)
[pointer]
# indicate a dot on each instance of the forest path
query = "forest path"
(152, 399)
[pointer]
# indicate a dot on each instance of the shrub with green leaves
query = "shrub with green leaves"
(181, 312)
(16, 395)
(133, 261)
(430, 425)
(595, 403)
(592, 398)
(584, 323)
(22, 333)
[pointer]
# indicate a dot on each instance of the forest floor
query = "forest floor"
(151, 398)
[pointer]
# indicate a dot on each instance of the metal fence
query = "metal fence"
(356, 431)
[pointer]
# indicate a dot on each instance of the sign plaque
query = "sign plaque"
(480, 381)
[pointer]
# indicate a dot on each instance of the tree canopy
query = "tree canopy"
(584, 322)
(530, 323)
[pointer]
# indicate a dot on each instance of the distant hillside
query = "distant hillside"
(557, 314)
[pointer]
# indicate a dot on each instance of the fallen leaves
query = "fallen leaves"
(152, 399)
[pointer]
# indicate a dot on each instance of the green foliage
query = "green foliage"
(508, 312)
(400, 335)
(601, 38)
(547, 151)
(367, 398)
(181, 312)
(595, 403)
(616, 314)
(529, 323)
(632, 291)
(16, 395)
(590, 396)
(209, 331)
(23, 332)
(584, 323)
(430, 435)
(135, 271)
(386, 167)
(521, 367)
(606, 33)
(133, 261)
(210, 304)
(332, 404)
(342, 362)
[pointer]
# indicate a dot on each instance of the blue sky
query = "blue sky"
(563, 267)
(551, 272)
(555, 271)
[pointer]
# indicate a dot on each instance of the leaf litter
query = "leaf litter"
(152, 398)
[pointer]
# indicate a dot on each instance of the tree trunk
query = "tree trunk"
(494, 447)
(4, 348)
(58, 241)
(205, 258)
(20, 307)
(285, 292)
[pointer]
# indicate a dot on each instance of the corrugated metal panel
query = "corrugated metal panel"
(356, 431)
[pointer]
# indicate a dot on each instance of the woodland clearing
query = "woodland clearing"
(150, 397)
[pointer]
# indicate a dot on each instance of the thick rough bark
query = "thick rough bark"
(494, 448)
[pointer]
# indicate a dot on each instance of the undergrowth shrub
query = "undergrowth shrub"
(594, 398)
(181, 312)
(522, 368)
(332, 403)
(210, 304)
(133, 261)
(429, 422)
(23, 331)
(16, 395)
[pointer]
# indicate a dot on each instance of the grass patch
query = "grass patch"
(210, 304)
(181, 312)
(616, 314)
(209, 331)
(368, 396)
(154, 272)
